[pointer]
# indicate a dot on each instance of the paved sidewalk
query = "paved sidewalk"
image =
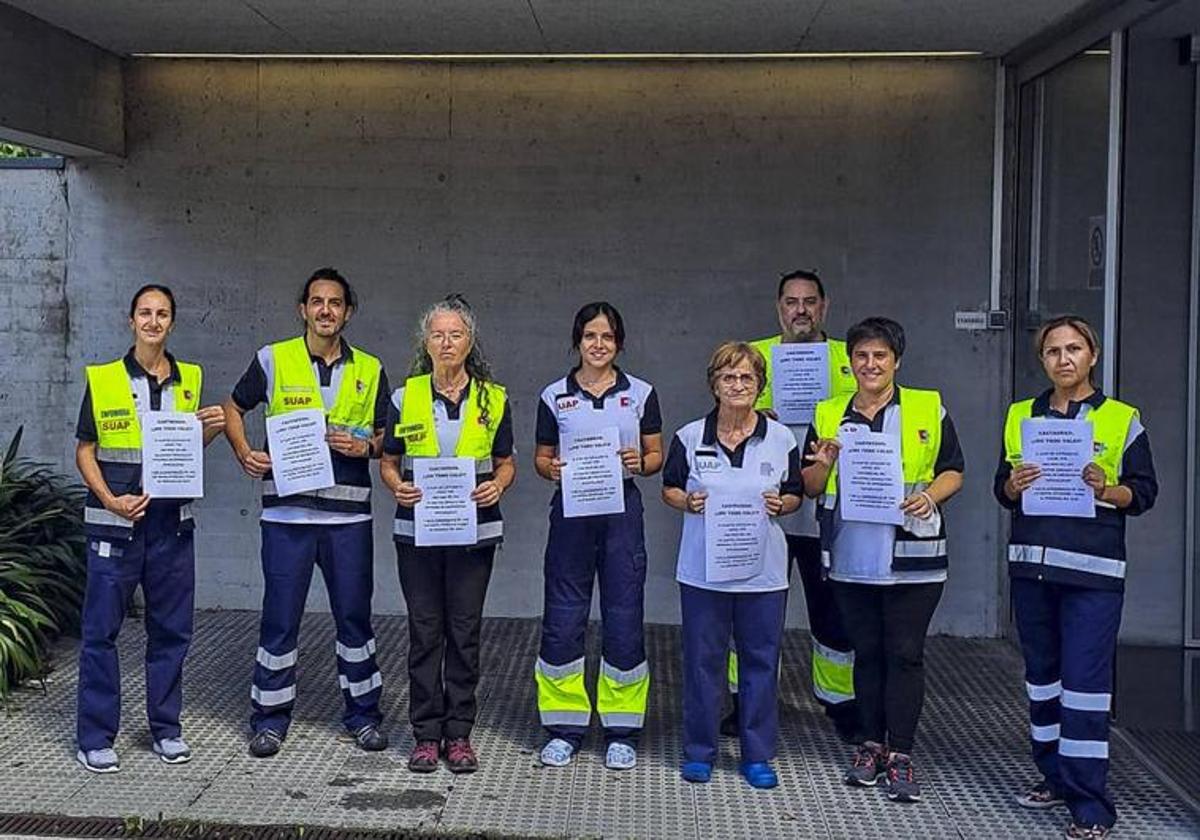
(971, 751)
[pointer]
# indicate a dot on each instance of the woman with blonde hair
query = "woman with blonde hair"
(449, 406)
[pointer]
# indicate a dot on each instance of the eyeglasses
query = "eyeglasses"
(749, 380)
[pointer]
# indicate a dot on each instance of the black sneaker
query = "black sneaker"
(901, 781)
(265, 744)
(867, 766)
(729, 723)
(369, 738)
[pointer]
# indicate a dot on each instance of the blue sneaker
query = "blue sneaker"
(696, 771)
(759, 774)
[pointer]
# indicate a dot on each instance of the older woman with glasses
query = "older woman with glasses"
(734, 462)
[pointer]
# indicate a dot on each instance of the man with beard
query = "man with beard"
(801, 304)
(331, 527)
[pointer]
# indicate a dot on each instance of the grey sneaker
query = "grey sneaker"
(99, 761)
(867, 766)
(173, 750)
(901, 780)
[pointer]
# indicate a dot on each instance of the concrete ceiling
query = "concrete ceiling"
(549, 26)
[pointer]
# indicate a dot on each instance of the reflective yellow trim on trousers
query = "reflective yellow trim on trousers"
(562, 694)
(731, 672)
(832, 674)
(621, 696)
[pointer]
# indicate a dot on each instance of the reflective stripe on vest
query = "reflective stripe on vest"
(295, 387)
(841, 379)
(416, 427)
(1110, 429)
(1038, 555)
(483, 531)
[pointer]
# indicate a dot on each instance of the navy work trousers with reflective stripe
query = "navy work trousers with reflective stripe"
(755, 620)
(345, 556)
(161, 558)
(1069, 638)
(579, 549)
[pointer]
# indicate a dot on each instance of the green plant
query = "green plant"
(43, 566)
(12, 150)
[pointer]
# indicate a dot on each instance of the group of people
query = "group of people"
(871, 589)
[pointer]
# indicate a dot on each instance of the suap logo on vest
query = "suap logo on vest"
(305, 400)
(707, 462)
(115, 425)
(567, 403)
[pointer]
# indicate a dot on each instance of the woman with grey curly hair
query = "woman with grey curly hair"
(449, 406)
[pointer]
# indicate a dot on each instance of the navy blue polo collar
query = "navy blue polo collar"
(710, 428)
(134, 368)
(573, 386)
(1041, 403)
(347, 352)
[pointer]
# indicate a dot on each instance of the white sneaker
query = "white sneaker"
(557, 753)
(99, 761)
(620, 756)
(173, 750)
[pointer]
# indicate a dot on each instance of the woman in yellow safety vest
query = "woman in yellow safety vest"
(887, 560)
(448, 408)
(133, 538)
(1067, 567)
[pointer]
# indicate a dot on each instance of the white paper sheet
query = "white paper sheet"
(172, 455)
(592, 482)
(1062, 448)
(870, 478)
(446, 514)
(300, 459)
(735, 530)
(799, 380)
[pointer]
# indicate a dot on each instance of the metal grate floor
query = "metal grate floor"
(971, 750)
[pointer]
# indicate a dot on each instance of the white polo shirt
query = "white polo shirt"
(767, 460)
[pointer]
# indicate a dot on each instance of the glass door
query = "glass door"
(1066, 204)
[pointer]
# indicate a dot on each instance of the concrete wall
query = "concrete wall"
(1156, 242)
(678, 191)
(35, 387)
(60, 93)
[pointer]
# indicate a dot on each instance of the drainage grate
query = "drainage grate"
(45, 825)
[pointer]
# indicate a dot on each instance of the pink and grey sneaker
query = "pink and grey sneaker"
(867, 766)
(460, 756)
(424, 757)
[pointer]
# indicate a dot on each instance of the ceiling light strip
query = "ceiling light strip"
(490, 57)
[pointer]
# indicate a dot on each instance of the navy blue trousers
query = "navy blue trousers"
(346, 559)
(161, 558)
(755, 621)
(578, 550)
(1069, 638)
